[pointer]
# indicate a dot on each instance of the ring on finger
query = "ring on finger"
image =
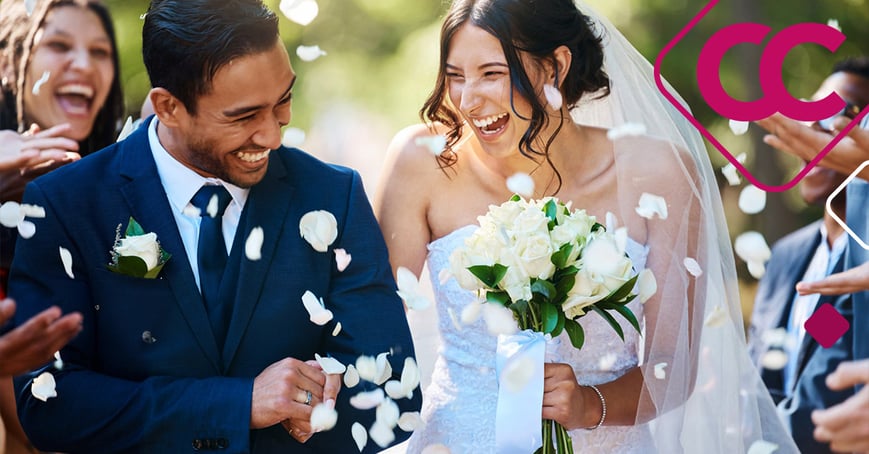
(308, 397)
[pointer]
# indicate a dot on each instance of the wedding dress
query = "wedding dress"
(459, 404)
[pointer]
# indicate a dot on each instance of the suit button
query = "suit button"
(209, 443)
(222, 443)
(197, 444)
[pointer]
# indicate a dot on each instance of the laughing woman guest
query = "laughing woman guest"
(60, 98)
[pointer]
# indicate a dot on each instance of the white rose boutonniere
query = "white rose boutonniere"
(137, 254)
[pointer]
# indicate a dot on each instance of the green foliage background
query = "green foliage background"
(382, 57)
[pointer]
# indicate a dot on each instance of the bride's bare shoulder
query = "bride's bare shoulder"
(413, 149)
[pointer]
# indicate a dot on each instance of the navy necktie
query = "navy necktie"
(211, 251)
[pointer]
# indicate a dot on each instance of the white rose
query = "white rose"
(605, 263)
(319, 228)
(516, 283)
(503, 214)
(535, 253)
(459, 266)
(143, 246)
(584, 293)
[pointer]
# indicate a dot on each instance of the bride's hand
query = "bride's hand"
(566, 401)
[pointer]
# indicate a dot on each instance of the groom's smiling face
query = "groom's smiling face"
(238, 122)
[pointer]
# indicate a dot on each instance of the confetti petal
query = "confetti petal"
(316, 309)
(553, 96)
(58, 362)
(351, 377)
(254, 244)
(309, 53)
(330, 365)
(436, 144)
(499, 319)
(26, 229)
(775, 337)
(626, 130)
(521, 183)
(368, 399)
(651, 205)
(738, 127)
(293, 138)
(410, 421)
(323, 417)
(606, 362)
(384, 369)
(212, 207)
(756, 269)
(409, 289)
(388, 413)
(126, 130)
(342, 259)
(762, 447)
(301, 12)
(752, 199)
(692, 266)
(717, 317)
(38, 84)
(455, 320)
(191, 211)
(660, 373)
(319, 228)
(337, 329)
(366, 366)
(32, 211)
(360, 435)
(774, 359)
(834, 23)
(471, 313)
(730, 173)
(647, 285)
(43, 387)
(66, 259)
(752, 247)
(517, 373)
(444, 275)
(11, 214)
(381, 434)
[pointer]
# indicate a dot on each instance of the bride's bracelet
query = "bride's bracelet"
(602, 406)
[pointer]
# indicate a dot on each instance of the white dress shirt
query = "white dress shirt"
(181, 184)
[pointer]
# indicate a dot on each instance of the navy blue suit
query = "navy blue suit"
(146, 374)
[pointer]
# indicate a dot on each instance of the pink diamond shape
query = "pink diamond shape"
(827, 325)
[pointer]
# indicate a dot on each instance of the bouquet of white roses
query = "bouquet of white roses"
(548, 265)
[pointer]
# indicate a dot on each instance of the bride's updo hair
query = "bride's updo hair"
(534, 28)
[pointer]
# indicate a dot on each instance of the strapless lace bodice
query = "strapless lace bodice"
(459, 404)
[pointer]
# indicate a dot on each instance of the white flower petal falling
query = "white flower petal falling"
(517, 373)
(58, 362)
(43, 387)
(730, 173)
(752, 248)
(330, 365)
(212, 206)
(410, 421)
(752, 200)
(834, 23)
(606, 362)
(351, 376)
(366, 366)
(26, 229)
(647, 285)
(553, 96)
(360, 435)
(11, 214)
(454, 319)
(738, 127)
(626, 130)
(756, 269)
(384, 369)
(319, 228)
(337, 329)
(692, 266)
(762, 447)
(471, 313)
(409, 289)
(521, 183)
(499, 319)
(323, 417)
(660, 373)
(254, 244)
(381, 434)
(774, 359)
(38, 84)
(310, 53)
(651, 205)
(342, 259)
(775, 337)
(66, 259)
(435, 144)
(126, 130)
(32, 211)
(716, 317)
(396, 389)
(293, 137)
(388, 413)
(301, 12)
(368, 399)
(191, 211)
(444, 275)
(316, 308)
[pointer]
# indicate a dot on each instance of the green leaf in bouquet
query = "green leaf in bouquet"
(559, 259)
(131, 266)
(515, 198)
(575, 333)
(544, 288)
(551, 211)
(623, 291)
(134, 229)
(490, 276)
(549, 314)
(597, 226)
(628, 314)
(610, 319)
(498, 297)
(562, 287)
(561, 273)
(559, 326)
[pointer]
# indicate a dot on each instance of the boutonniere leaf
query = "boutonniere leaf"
(137, 254)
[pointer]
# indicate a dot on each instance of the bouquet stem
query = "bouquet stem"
(563, 443)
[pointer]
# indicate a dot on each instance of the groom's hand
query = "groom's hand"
(301, 430)
(280, 392)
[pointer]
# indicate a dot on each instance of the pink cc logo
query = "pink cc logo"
(776, 98)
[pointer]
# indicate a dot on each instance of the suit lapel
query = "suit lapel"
(150, 207)
(266, 207)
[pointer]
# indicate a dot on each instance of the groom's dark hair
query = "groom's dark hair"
(185, 42)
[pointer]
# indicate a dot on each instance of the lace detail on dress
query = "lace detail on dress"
(459, 404)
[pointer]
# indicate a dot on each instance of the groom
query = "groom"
(211, 353)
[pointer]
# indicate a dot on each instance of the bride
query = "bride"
(682, 384)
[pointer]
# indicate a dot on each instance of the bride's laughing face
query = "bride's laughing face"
(478, 82)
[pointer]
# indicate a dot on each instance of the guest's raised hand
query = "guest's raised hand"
(846, 426)
(54, 147)
(287, 389)
(849, 281)
(33, 343)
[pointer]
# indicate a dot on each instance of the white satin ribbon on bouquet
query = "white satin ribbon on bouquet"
(519, 365)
